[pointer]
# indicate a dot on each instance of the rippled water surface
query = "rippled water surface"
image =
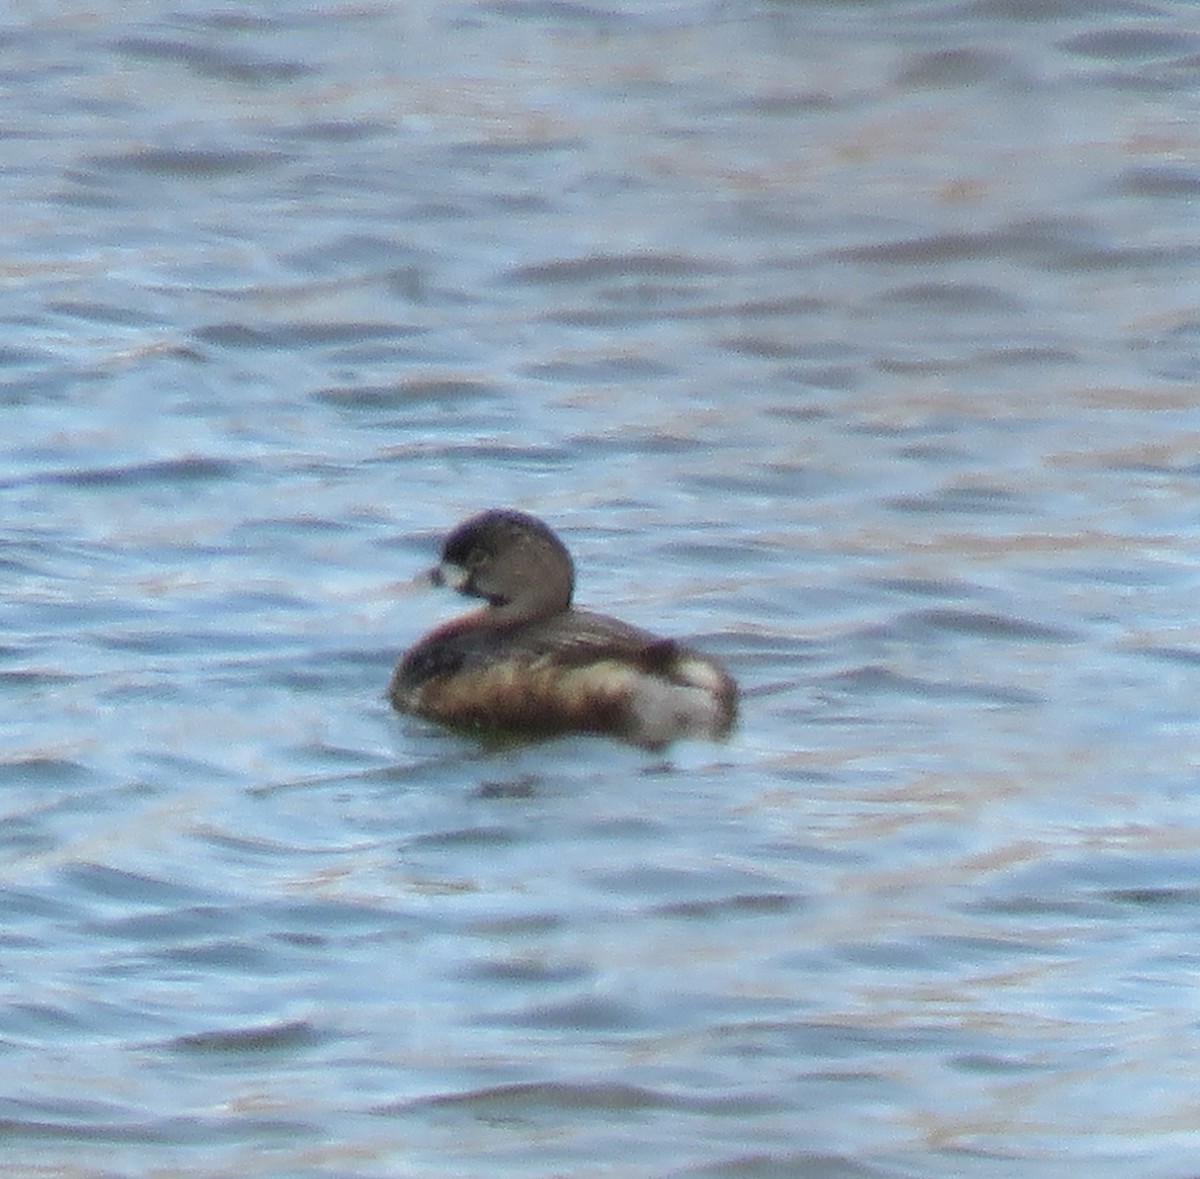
(858, 343)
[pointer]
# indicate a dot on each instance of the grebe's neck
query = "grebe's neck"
(540, 588)
(504, 616)
(533, 605)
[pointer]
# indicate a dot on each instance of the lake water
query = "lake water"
(856, 343)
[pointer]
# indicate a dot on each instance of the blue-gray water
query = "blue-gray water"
(859, 343)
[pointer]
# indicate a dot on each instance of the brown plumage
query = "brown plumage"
(529, 664)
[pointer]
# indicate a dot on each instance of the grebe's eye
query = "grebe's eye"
(476, 559)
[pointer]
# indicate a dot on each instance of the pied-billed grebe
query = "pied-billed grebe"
(528, 663)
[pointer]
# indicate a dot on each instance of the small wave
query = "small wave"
(273, 1037)
(194, 469)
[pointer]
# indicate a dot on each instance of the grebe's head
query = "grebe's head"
(510, 559)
